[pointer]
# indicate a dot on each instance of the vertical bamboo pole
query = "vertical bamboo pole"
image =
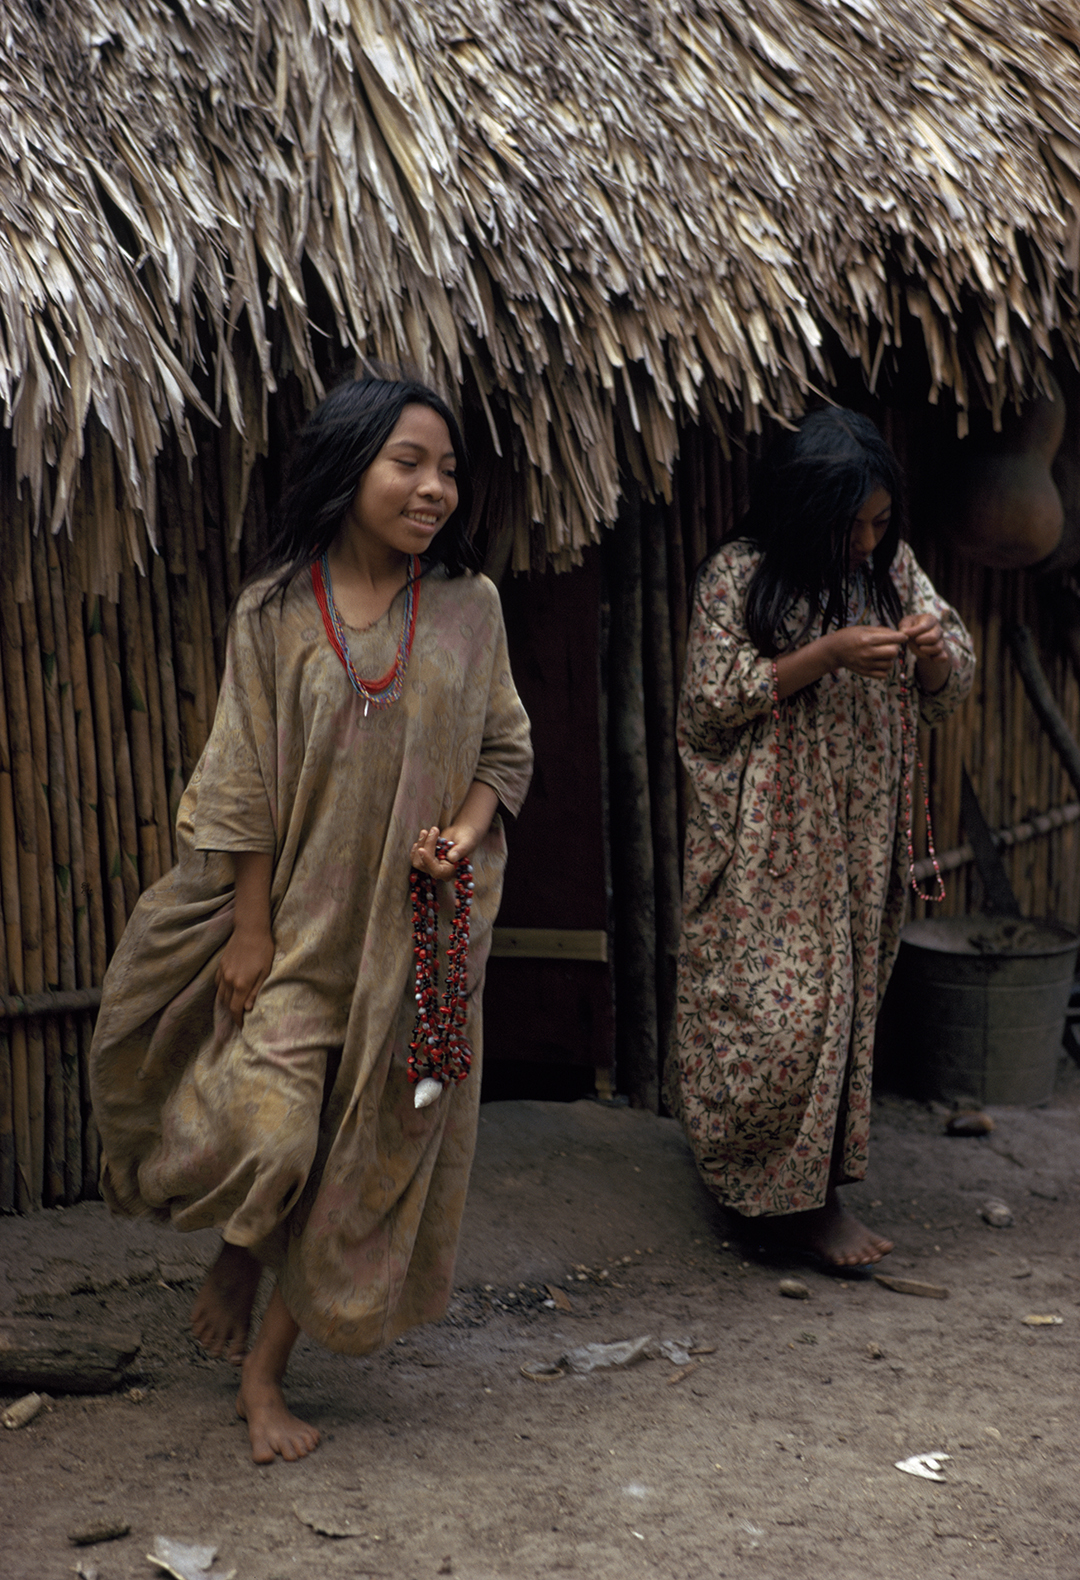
(696, 537)
(93, 952)
(108, 811)
(43, 1036)
(136, 692)
(12, 1049)
(175, 778)
(663, 765)
(194, 529)
(72, 778)
(679, 609)
(121, 756)
(28, 1064)
(633, 875)
(59, 940)
(715, 521)
(184, 637)
(86, 745)
(157, 724)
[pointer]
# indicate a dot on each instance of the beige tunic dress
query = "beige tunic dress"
(297, 1134)
(780, 979)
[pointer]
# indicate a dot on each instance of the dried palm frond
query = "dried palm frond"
(606, 217)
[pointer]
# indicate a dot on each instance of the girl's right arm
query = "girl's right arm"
(249, 954)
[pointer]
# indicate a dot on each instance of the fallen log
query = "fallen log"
(61, 1357)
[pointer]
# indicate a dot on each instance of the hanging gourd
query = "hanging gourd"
(1009, 514)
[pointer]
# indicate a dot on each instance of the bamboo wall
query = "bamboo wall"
(107, 696)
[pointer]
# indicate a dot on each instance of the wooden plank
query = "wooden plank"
(65, 1357)
(549, 943)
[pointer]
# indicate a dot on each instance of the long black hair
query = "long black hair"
(805, 500)
(333, 450)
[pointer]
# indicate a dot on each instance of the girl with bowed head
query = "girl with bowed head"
(816, 645)
(250, 1063)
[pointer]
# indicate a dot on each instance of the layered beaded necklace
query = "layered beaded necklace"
(910, 762)
(439, 1052)
(376, 693)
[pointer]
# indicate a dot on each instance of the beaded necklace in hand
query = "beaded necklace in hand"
(910, 761)
(439, 1052)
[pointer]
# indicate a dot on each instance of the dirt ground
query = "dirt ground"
(774, 1457)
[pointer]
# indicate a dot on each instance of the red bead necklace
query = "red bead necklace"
(440, 1053)
(910, 761)
(785, 804)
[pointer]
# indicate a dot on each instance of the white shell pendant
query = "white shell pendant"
(427, 1092)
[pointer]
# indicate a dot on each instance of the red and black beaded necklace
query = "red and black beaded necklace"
(439, 1052)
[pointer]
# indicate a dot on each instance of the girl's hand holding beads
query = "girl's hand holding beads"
(245, 966)
(423, 855)
(933, 661)
(924, 636)
(463, 838)
(466, 831)
(870, 650)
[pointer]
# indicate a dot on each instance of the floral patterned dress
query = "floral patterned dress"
(297, 1134)
(780, 979)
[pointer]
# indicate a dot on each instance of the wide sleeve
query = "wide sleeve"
(726, 682)
(920, 597)
(235, 782)
(506, 754)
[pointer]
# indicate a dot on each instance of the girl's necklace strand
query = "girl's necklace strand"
(439, 1051)
(376, 693)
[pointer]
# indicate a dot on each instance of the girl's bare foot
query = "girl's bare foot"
(830, 1232)
(272, 1427)
(221, 1315)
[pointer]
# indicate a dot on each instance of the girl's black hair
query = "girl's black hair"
(333, 450)
(805, 500)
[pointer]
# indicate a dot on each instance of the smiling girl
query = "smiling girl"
(249, 1067)
(817, 644)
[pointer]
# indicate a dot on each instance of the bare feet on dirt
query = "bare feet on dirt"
(838, 1237)
(221, 1315)
(830, 1232)
(272, 1427)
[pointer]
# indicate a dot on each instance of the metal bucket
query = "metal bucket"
(979, 1005)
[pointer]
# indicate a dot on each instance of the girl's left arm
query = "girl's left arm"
(943, 650)
(504, 767)
(464, 833)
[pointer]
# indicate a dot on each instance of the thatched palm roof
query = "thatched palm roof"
(609, 216)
